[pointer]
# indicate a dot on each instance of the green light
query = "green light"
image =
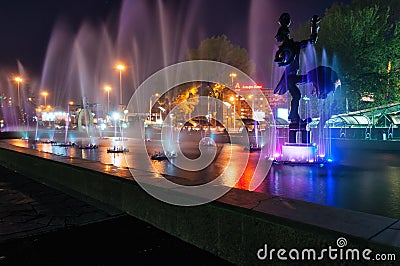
(1, 97)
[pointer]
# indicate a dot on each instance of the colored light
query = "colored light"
(116, 116)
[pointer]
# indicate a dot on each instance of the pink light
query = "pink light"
(299, 153)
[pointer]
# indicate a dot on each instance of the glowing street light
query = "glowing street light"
(232, 99)
(120, 67)
(151, 104)
(18, 80)
(108, 89)
(45, 93)
(232, 75)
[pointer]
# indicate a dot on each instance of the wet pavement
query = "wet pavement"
(42, 226)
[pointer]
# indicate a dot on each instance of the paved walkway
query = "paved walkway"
(29, 208)
(43, 226)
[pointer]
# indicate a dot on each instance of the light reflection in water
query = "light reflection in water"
(375, 189)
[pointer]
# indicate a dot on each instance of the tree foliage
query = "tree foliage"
(222, 50)
(364, 38)
(186, 101)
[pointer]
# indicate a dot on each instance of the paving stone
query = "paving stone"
(396, 226)
(20, 218)
(244, 198)
(28, 208)
(350, 222)
(57, 221)
(389, 237)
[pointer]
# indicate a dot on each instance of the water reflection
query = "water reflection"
(375, 191)
(372, 188)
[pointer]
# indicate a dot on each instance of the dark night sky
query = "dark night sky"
(26, 26)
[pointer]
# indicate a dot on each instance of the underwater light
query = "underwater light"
(116, 116)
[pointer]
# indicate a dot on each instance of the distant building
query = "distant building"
(243, 101)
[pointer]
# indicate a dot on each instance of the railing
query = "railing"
(368, 130)
(343, 132)
(390, 131)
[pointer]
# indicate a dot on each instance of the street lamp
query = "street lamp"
(232, 75)
(108, 89)
(232, 99)
(18, 80)
(120, 67)
(151, 104)
(228, 106)
(45, 93)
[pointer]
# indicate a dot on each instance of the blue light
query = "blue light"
(330, 160)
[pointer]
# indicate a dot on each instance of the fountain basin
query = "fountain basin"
(255, 219)
(299, 153)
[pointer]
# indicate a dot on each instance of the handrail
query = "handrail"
(343, 132)
(368, 130)
(390, 131)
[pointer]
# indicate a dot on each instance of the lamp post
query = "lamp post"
(18, 80)
(108, 89)
(232, 75)
(120, 67)
(151, 104)
(228, 106)
(232, 99)
(45, 93)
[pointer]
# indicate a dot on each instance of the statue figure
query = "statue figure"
(324, 79)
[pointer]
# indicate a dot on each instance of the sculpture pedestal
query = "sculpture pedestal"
(300, 132)
(299, 153)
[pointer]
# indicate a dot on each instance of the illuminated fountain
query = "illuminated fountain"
(80, 62)
(322, 80)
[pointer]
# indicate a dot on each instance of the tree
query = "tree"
(364, 37)
(186, 101)
(222, 50)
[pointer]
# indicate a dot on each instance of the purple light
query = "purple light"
(299, 153)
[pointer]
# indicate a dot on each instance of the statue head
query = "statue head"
(283, 31)
(284, 20)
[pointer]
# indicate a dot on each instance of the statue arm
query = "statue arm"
(315, 20)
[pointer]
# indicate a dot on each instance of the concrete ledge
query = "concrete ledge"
(233, 227)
